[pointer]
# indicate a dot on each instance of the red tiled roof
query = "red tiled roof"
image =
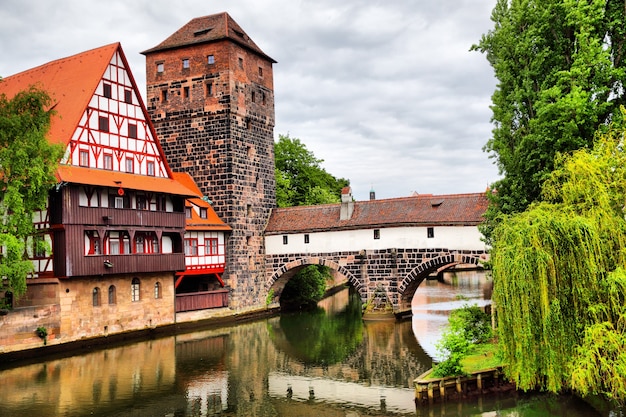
(208, 29)
(212, 221)
(105, 178)
(70, 82)
(423, 210)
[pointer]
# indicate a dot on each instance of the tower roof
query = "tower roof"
(208, 29)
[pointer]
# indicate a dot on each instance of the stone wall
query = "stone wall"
(217, 124)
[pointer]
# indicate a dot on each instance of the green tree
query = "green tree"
(300, 178)
(27, 167)
(559, 279)
(560, 71)
(306, 288)
(467, 326)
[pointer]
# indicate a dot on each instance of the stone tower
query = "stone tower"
(210, 97)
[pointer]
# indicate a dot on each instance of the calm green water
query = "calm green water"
(324, 363)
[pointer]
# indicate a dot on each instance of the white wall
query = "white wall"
(448, 237)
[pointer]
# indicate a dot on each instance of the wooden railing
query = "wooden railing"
(201, 300)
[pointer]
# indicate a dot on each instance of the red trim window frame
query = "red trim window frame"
(117, 242)
(211, 246)
(191, 247)
(146, 242)
(93, 242)
(107, 160)
(150, 168)
(83, 157)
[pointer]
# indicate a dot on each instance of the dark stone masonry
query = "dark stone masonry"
(212, 105)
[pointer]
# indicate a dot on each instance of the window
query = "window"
(139, 244)
(108, 161)
(210, 246)
(142, 202)
(128, 96)
(240, 62)
(132, 130)
(150, 167)
(146, 242)
(209, 89)
(112, 295)
(96, 297)
(83, 158)
(210, 59)
(260, 71)
(134, 289)
(186, 63)
(157, 290)
(163, 96)
(186, 92)
(285, 240)
(160, 67)
(376, 233)
(203, 212)
(92, 240)
(119, 202)
(191, 247)
(306, 238)
(253, 97)
(106, 90)
(130, 165)
(117, 243)
(103, 123)
(430, 232)
(188, 212)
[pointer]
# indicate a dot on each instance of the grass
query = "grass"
(481, 356)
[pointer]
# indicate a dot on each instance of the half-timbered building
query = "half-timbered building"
(116, 219)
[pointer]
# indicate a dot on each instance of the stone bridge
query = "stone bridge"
(397, 273)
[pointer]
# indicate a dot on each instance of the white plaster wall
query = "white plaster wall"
(448, 237)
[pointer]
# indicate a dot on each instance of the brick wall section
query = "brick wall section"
(222, 134)
(398, 271)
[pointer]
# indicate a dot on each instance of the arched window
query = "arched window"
(112, 295)
(134, 289)
(96, 297)
(157, 290)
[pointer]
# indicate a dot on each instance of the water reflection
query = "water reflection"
(329, 363)
(434, 300)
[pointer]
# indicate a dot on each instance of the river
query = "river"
(326, 363)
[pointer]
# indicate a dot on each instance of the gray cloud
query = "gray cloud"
(385, 92)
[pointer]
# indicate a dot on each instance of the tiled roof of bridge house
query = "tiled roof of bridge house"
(422, 210)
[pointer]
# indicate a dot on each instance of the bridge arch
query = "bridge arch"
(282, 275)
(417, 275)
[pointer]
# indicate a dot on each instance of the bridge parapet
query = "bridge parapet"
(397, 271)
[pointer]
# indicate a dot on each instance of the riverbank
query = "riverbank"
(52, 349)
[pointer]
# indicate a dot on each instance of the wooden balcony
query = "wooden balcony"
(126, 264)
(125, 217)
(201, 300)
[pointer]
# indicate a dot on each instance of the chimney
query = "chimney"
(347, 204)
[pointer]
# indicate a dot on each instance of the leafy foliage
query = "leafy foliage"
(300, 179)
(306, 288)
(27, 166)
(559, 283)
(560, 71)
(467, 326)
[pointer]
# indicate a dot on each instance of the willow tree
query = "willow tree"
(559, 280)
(27, 170)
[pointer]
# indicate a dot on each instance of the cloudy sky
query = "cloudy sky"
(386, 92)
